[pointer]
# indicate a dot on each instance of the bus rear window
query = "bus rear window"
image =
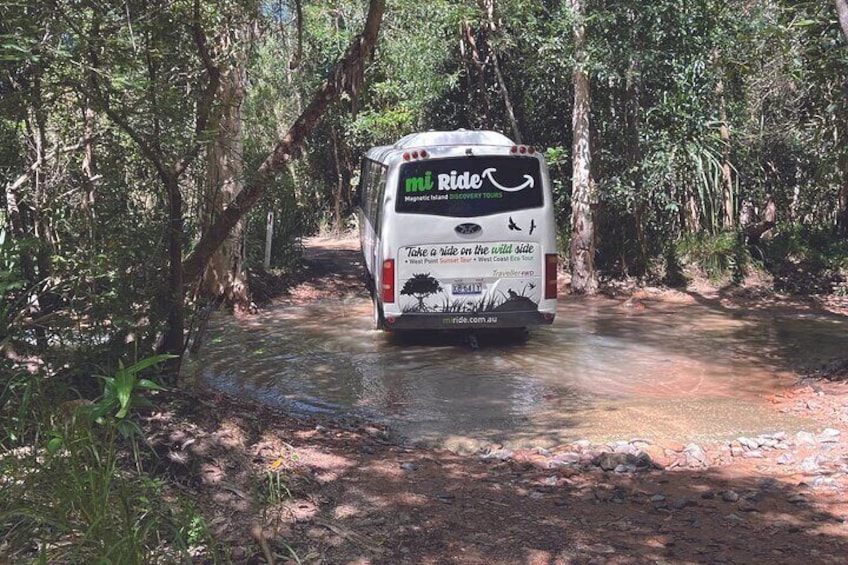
(469, 186)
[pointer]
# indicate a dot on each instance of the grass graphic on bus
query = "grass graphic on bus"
(423, 285)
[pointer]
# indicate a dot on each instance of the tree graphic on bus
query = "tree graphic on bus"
(420, 286)
(423, 285)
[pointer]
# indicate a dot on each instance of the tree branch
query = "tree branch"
(207, 98)
(347, 75)
(298, 54)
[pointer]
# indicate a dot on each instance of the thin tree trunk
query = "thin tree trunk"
(584, 278)
(510, 112)
(89, 166)
(338, 198)
(842, 214)
(489, 7)
(727, 192)
(634, 154)
(269, 239)
(842, 11)
(347, 75)
(223, 279)
(691, 212)
(479, 71)
(173, 340)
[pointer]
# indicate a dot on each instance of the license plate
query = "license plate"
(467, 288)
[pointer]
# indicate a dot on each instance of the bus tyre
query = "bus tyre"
(379, 319)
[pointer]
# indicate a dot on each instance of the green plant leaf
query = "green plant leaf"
(54, 445)
(149, 362)
(147, 384)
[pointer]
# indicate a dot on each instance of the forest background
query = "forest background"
(160, 157)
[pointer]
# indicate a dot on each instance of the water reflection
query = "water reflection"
(598, 372)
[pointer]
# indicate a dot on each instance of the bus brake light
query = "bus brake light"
(388, 284)
(550, 275)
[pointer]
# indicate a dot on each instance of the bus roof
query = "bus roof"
(441, 139)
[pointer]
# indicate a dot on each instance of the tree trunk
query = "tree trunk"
(173, 339)
(842, 11)
(269, 240)
(223, 279)
(479, 71)
(347, 75)
(634, 158)
(842, 214)
(727, 192)
(338, 197)
(489, 7)
(584, 279)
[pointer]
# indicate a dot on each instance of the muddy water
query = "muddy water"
(600, 372)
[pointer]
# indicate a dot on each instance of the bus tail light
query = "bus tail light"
(388, 284)
(550, 275)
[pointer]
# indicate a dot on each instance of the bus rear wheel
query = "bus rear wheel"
(379, 320)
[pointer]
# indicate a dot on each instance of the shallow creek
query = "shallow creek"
(689, 372)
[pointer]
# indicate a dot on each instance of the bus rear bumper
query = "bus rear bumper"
(461, 321)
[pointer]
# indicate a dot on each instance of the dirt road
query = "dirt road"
(277, 488)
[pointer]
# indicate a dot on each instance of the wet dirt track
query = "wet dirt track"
(605, 370)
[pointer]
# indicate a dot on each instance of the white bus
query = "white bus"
(457, 232)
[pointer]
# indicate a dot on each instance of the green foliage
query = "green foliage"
(722, 257)
(72, 495)
(806, 261)
(15, 383)
(121, 392)
(81, 493)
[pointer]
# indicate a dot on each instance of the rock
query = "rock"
(768, 484)
(601, 548)
(769, 442)
(805, 438)
(753, 454)
(684, 503)
(734, 518)
(671, 445)
(567, 458)
(643, 461)
(811, 464)
(729, 496)
(786, 459)
(409, 466)
(823, 482)
(747, 506)
(609, 461)
(829, 435)
(657, 456)
(659, 501)
(748, 443)
(498, 454)
(796, 498)
(695, 453)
